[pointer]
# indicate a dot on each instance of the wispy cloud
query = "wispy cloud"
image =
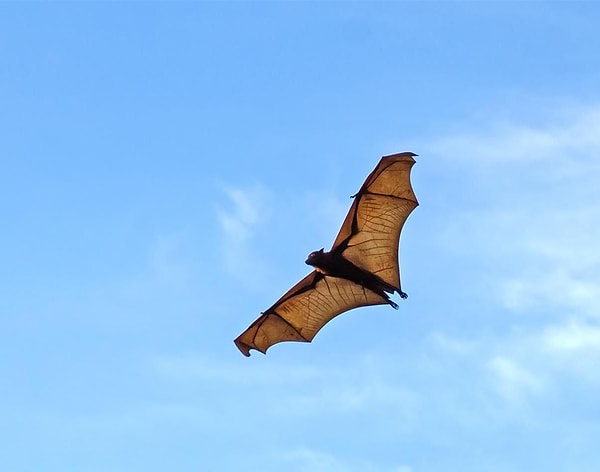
(310, 460)
(512, 380)
(248, 212)
(198, 367)
(539, 258)
(317, 389)
(574, 336)
(573, 347)
(346, 394)
(544, 245)
(531, 231)
(567, 133)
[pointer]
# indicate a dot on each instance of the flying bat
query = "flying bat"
(360, 269)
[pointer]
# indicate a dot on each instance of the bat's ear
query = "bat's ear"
(321, 250)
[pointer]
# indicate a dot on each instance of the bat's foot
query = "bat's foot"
(403, 295)
(393, 304)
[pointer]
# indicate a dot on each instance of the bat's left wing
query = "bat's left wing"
(304, 310)
(370, 234)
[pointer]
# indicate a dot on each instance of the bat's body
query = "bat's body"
(360, 269)
(336, 265)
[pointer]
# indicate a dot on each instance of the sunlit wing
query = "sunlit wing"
(370, 234)
(304, 310)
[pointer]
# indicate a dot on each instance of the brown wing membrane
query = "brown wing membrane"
(304, 310)
(369, 239)
(370, 234)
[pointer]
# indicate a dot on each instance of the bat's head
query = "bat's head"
(315, 257)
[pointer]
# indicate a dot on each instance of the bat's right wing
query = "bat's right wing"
(369, 236)
(304, 310)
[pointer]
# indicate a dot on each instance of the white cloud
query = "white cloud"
(572, 336)
(553, 286)
(535, 213)
(198, 367)
(345, 394)
(309, 460)
(452, 345)
(513, 381)
(534, 246)
(569, 132)
(249, 212)
(556, 256)
(572, 347)
(317, 389)
(248, 206)
(528, 233)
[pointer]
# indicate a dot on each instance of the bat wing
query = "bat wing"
(370, 234)
(304, 310)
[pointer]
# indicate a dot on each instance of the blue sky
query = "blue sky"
(166, 167)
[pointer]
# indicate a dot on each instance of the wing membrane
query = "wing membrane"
(370, 234)
(304, 310)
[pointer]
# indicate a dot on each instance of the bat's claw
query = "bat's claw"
(403, 295)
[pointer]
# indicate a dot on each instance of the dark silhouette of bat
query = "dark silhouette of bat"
(360, 269)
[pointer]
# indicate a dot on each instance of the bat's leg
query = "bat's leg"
(393, 304)
(403, 295)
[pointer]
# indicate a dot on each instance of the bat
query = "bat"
(360, 269)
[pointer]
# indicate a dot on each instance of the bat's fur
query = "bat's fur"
(335, 265)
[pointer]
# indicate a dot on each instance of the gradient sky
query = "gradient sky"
(165, 169)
